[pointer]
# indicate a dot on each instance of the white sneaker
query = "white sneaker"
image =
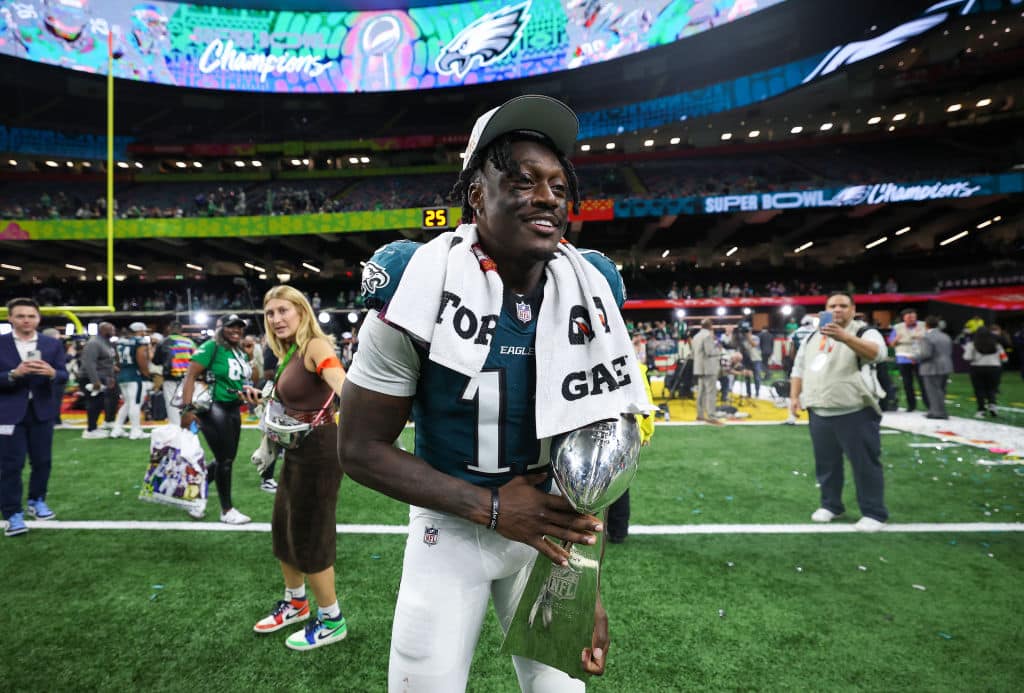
(823, 515)
(233, 517)
(118, 433)
(196, 514)
(138, 435)
(269, 486)
(95, 434)
(869, 524)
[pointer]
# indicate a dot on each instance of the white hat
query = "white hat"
(138, 327)
(550, 117)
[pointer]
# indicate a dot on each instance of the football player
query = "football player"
(477, 465)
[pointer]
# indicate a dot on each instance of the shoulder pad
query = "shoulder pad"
(383, 272)
(605, 266)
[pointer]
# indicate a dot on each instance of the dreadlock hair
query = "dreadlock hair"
(499, 153)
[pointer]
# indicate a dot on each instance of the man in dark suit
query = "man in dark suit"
(31, 365)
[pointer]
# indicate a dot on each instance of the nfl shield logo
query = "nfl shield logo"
(523, 312)
(430, 536)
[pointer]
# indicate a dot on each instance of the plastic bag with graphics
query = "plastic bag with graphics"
(177, 470)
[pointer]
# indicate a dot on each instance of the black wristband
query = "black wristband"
(494, 509)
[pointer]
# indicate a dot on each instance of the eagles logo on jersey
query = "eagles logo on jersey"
(485, 41)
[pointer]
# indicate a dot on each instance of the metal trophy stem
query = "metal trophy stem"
(554, 620)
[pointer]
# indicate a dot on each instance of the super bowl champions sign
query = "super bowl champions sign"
(336, 52)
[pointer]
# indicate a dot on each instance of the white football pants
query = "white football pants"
(443, 599)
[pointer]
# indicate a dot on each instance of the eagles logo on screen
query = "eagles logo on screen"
(374, 277)
(485, 41)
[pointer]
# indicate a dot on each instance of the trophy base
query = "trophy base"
(554, 620)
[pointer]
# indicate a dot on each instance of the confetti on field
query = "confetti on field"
(1000, 463)
(919, 587)
(934, 446)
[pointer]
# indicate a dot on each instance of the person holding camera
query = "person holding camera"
(300, 417)
(31, 365)
(227, 372)
(842, 406)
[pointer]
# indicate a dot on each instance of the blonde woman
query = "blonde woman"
(308, 379)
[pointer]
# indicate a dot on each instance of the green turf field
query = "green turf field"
(173, 611)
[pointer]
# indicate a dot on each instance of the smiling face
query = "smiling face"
(233, 334)
(521, 214)
(283, 318)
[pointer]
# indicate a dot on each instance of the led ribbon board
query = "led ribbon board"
(345, 52)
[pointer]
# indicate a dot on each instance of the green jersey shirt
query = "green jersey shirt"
(230, 368)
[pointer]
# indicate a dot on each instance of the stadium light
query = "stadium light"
(239, 163)
(726, 136)
(133, 267)
(674, 140)
(305, 162)
(648, 143)
(353, 159)
(353, 317)
(92, 329)
(283, 277)
(364, 159)
(584, 147)
(324, 317)
(295, 162)
(786, 309)
(825, 127)
(987, 222)
(256, 163)
(122, 164)
(804, 247)
(899, 116)
(665, 254)
(796, 129)
(263, 275)
(13, 268)
(138, 164)
(197, 164)
(69, 329)
(201, 318)
(997, 218)
(197, 268)
(77, 268)
(253, 267)
(51, 164)
(874, 120)
(180, 164)
(984, 102)
(720, 310)
(732, 251)
(891, 128)
(610, 145)
(953, 107)
(747, 310)
(120, 277)
(311, 268)
(953, 239)
(69, 164)
(753, 134)
(876, 242)
(902, 231)
(680, 313)
(12, 162)
(85, 164)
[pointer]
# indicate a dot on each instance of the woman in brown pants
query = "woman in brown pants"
(307, 382)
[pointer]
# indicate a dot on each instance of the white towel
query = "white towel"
(586, 366)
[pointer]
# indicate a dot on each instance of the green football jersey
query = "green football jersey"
(230, 368)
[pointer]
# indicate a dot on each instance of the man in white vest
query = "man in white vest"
(904, 338)
(832, 378)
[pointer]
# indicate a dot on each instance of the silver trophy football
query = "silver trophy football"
(554, 620)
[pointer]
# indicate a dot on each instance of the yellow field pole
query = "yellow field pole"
(110, 170)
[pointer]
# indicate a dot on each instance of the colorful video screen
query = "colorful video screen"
(348, 52)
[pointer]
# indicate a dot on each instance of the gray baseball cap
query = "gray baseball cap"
(534, 112)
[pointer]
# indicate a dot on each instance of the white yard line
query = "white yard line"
(670, 530)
